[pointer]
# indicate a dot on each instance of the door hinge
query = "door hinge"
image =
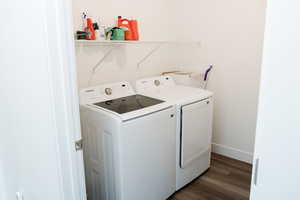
(79, 145)
(256, 167)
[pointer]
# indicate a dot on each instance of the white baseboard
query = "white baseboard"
(232, 153)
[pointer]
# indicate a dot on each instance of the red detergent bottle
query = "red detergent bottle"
(91, 34)
(131, 28)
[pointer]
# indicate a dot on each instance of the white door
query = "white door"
(276, 173)
(39, 110)
(196, 129)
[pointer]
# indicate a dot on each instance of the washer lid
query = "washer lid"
(163, 87)
(128, 104)
(179, 94)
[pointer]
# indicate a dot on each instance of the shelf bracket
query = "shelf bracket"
(148, 55)
(98, 64)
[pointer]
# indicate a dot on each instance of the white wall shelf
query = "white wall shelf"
(124, 42)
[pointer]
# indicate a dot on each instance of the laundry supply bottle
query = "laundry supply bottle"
(102, 35)
(134, 28)
(130, 27)
(91, 34)
(96, 28)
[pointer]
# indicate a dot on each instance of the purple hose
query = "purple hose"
(206, 72)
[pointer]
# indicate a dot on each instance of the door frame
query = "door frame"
(63, 76)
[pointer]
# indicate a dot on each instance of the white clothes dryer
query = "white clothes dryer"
(129, 144)
(194, 115)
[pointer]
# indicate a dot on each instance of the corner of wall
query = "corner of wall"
(232, 153)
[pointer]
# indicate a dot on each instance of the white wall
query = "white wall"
(232, 37)
(231, 33)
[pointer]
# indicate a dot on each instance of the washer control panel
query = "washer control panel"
(105, 92)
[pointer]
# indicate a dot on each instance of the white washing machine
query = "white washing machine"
(194, 113)
(129, 144)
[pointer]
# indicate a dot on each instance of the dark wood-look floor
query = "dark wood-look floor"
(227, 179)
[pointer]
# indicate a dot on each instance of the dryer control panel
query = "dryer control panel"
(154, 83)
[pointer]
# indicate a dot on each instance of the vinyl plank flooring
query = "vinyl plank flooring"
(227, 179)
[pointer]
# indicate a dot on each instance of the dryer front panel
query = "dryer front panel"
(196, 130)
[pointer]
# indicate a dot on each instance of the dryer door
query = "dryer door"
(196, 130)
